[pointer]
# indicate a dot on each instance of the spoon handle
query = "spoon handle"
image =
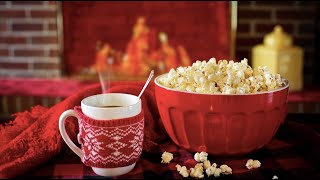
(146, 84)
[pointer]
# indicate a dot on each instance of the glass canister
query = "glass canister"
(280, 56)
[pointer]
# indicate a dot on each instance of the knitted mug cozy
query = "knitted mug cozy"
(110, 143)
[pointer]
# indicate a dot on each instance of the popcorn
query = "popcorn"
(210, 170)
(182, 170)
(213, 170)
(249, 164)
(205, 166)
(217, 172)
(275, 177)
(166, 157)
(197, 171)
(226, 77)
(225, 169)
(256, 164)
(253, 164)
(201, 157)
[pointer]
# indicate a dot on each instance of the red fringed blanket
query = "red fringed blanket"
(33, 138)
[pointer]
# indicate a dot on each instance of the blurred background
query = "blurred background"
(50, 49)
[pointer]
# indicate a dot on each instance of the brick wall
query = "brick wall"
(28, 39)
(29, 42)
(257, 18)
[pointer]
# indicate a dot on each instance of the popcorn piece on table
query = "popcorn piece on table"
(225, 169)
(183, 171)
(166, 157)
(210, 170)
(217, 172)
(256, 164)
(249, 164)
(275, 177)
(201, 157)
(196, 172)
(206, 164)
(253, 164)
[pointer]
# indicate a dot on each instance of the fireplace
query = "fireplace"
(202, 28)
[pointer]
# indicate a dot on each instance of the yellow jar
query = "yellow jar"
(281, 57)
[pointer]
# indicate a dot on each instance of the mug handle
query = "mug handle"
(64, 134)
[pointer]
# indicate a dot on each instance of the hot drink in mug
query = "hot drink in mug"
(111, 134)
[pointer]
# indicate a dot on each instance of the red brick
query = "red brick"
(12, 13)
(268, 28)
(4, 52)
(52, 3)
(29, 53)
(3, 26)
(306, 28)
(13, 40)
(295, 14)
(26, 27)
(256, 14)
(54, 53)
(53, 27)
(43, 14)
(44, 40)
(248, 41)
(26, 2)
(8, 65)
(243, 28)
(46, 66)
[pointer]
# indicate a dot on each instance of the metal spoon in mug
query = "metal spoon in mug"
(146, 84)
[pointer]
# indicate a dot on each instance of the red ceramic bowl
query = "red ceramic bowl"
(221, 124)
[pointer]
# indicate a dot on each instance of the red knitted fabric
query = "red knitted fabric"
(33, 137)
(110, 143)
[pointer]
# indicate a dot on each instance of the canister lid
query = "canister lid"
(277, 38)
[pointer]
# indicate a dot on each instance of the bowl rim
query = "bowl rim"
(286, 82)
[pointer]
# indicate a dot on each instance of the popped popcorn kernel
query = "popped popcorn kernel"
(225, 169)
(199, 166)
(253, 164)
(275, 177)
(166, 157)
(221, 77)
(183, 171)
(249, 164)
(217, 172)
(256, 164)
(214, 165)
(196, 172)
(201, 157)
(206, 164)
